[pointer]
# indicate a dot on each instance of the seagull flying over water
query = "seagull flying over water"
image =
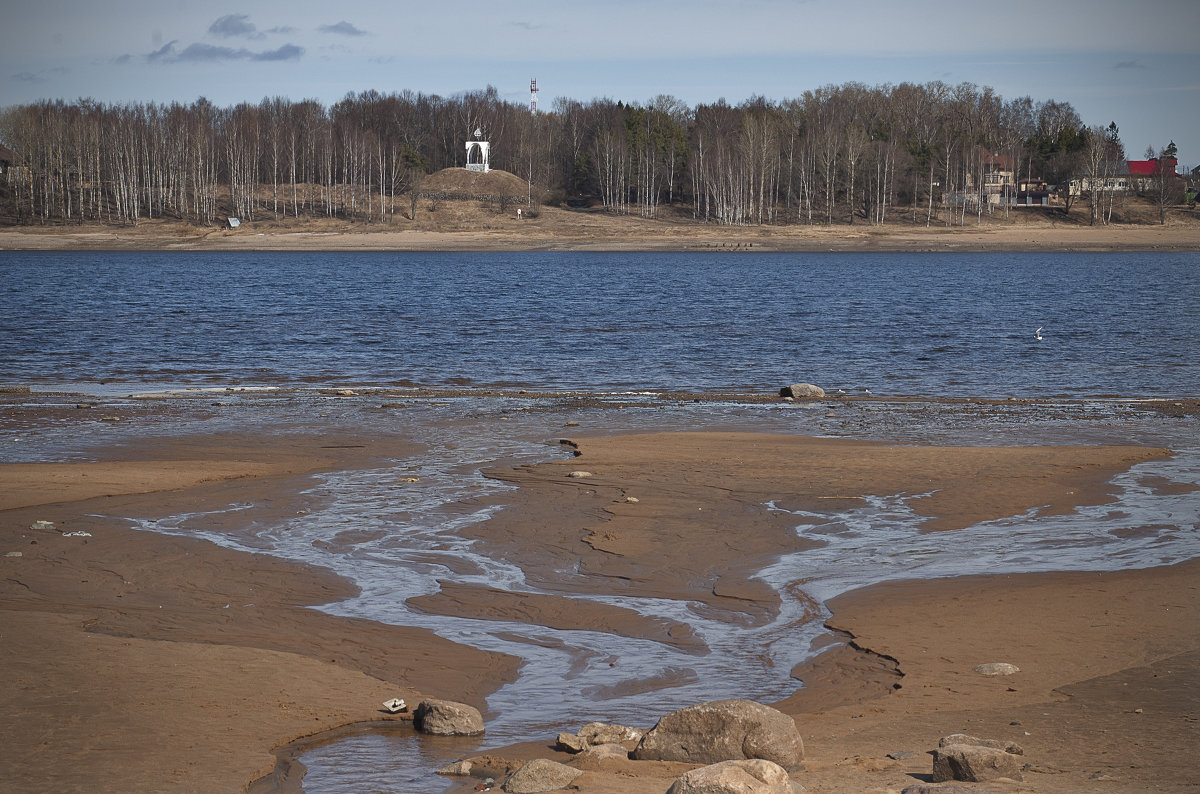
(1038, 333)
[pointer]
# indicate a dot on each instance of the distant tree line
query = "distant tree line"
(839, 154)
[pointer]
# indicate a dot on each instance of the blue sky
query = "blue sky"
(1137, 64)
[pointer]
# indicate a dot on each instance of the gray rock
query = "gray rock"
(457, 769)
(723, 730)
(995, 744)
(997, 668)
(602, 751)
(570, 742)
(540, 774)
(603, 733)
(753, 776)
(973, 764)
(925, 788)
(802, 391)
(447, 718)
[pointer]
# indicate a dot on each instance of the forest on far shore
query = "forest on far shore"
(839, 154)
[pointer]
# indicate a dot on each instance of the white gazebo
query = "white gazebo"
(484, 153)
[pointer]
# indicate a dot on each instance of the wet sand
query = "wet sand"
(146, 662)
(142, 662)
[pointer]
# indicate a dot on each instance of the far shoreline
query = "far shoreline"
(557, 230)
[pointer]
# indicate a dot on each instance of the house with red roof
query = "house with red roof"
(1150, 167)
(1122, 177)
(1143, 172)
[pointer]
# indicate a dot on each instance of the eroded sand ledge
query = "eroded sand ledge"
(171, 690)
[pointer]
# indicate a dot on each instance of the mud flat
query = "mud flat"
(142, 662)
(146, 661)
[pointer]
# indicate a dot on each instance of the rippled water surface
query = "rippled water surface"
(117, 325)
(957, 324)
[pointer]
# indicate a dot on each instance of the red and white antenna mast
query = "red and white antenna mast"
(533, 89)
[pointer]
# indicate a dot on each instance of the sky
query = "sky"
(1133, 63)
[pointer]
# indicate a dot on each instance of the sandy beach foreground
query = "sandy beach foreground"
(144, 662)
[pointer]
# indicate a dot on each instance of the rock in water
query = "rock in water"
(973, 764)
(460, 768)
(447, 718)
(802, 391)
(723, 730)
(735, 777)
(540, 774)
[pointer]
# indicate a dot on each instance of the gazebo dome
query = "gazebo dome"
(484, 153)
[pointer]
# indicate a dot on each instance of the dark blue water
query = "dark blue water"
(900, 324)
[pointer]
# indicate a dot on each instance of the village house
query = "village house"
(1123, 176)
(1109, 177)
(1000, 186)
(1142, 173)
(7, 158)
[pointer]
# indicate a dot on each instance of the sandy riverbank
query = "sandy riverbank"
(480, 229)
(1072, 635)
(147, 662)
(142, 662)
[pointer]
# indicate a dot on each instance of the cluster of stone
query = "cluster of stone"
(739, 746)
(742, 746)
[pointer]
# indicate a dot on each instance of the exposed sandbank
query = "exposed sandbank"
(144, 661)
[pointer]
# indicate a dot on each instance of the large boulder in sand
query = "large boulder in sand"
(447, 718)
(736, 777)
(723, 730)
(972, 763)
(995, 744)
(540, 774)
